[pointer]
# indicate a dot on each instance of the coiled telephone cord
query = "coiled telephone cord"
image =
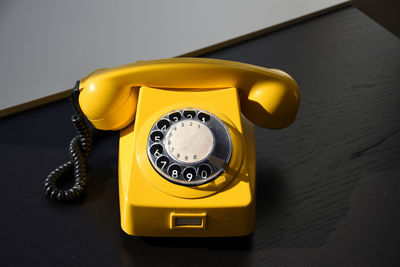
(79, 150)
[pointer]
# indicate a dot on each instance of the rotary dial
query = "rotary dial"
(181, 142)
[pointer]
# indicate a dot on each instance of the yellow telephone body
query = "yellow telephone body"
(211, 196)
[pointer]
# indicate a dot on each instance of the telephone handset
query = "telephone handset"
(268, 97)
(187, 155)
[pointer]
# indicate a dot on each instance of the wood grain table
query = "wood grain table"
(328, 187)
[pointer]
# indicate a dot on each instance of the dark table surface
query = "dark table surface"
(328, 187)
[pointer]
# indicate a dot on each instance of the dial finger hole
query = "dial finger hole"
(189, 174)
(174, 171)
(156, 150)
(162, 162)
(204, 171)
(156, 136)
(190, 114)
(176, 116)
(204, 117)
(163, 124)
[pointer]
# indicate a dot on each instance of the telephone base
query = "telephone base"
(167, 222)
(152, 206)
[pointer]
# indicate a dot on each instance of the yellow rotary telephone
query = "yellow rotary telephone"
(186, 152)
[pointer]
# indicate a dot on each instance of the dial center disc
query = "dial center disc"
(189, 141)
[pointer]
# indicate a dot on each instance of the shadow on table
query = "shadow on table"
(211, 243)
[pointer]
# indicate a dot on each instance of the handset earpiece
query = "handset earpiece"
(271, 103)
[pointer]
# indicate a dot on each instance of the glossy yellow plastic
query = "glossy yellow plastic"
(268, 97)
(152, 206)
(146, 90)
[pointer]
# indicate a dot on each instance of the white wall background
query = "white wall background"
(46, 45)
